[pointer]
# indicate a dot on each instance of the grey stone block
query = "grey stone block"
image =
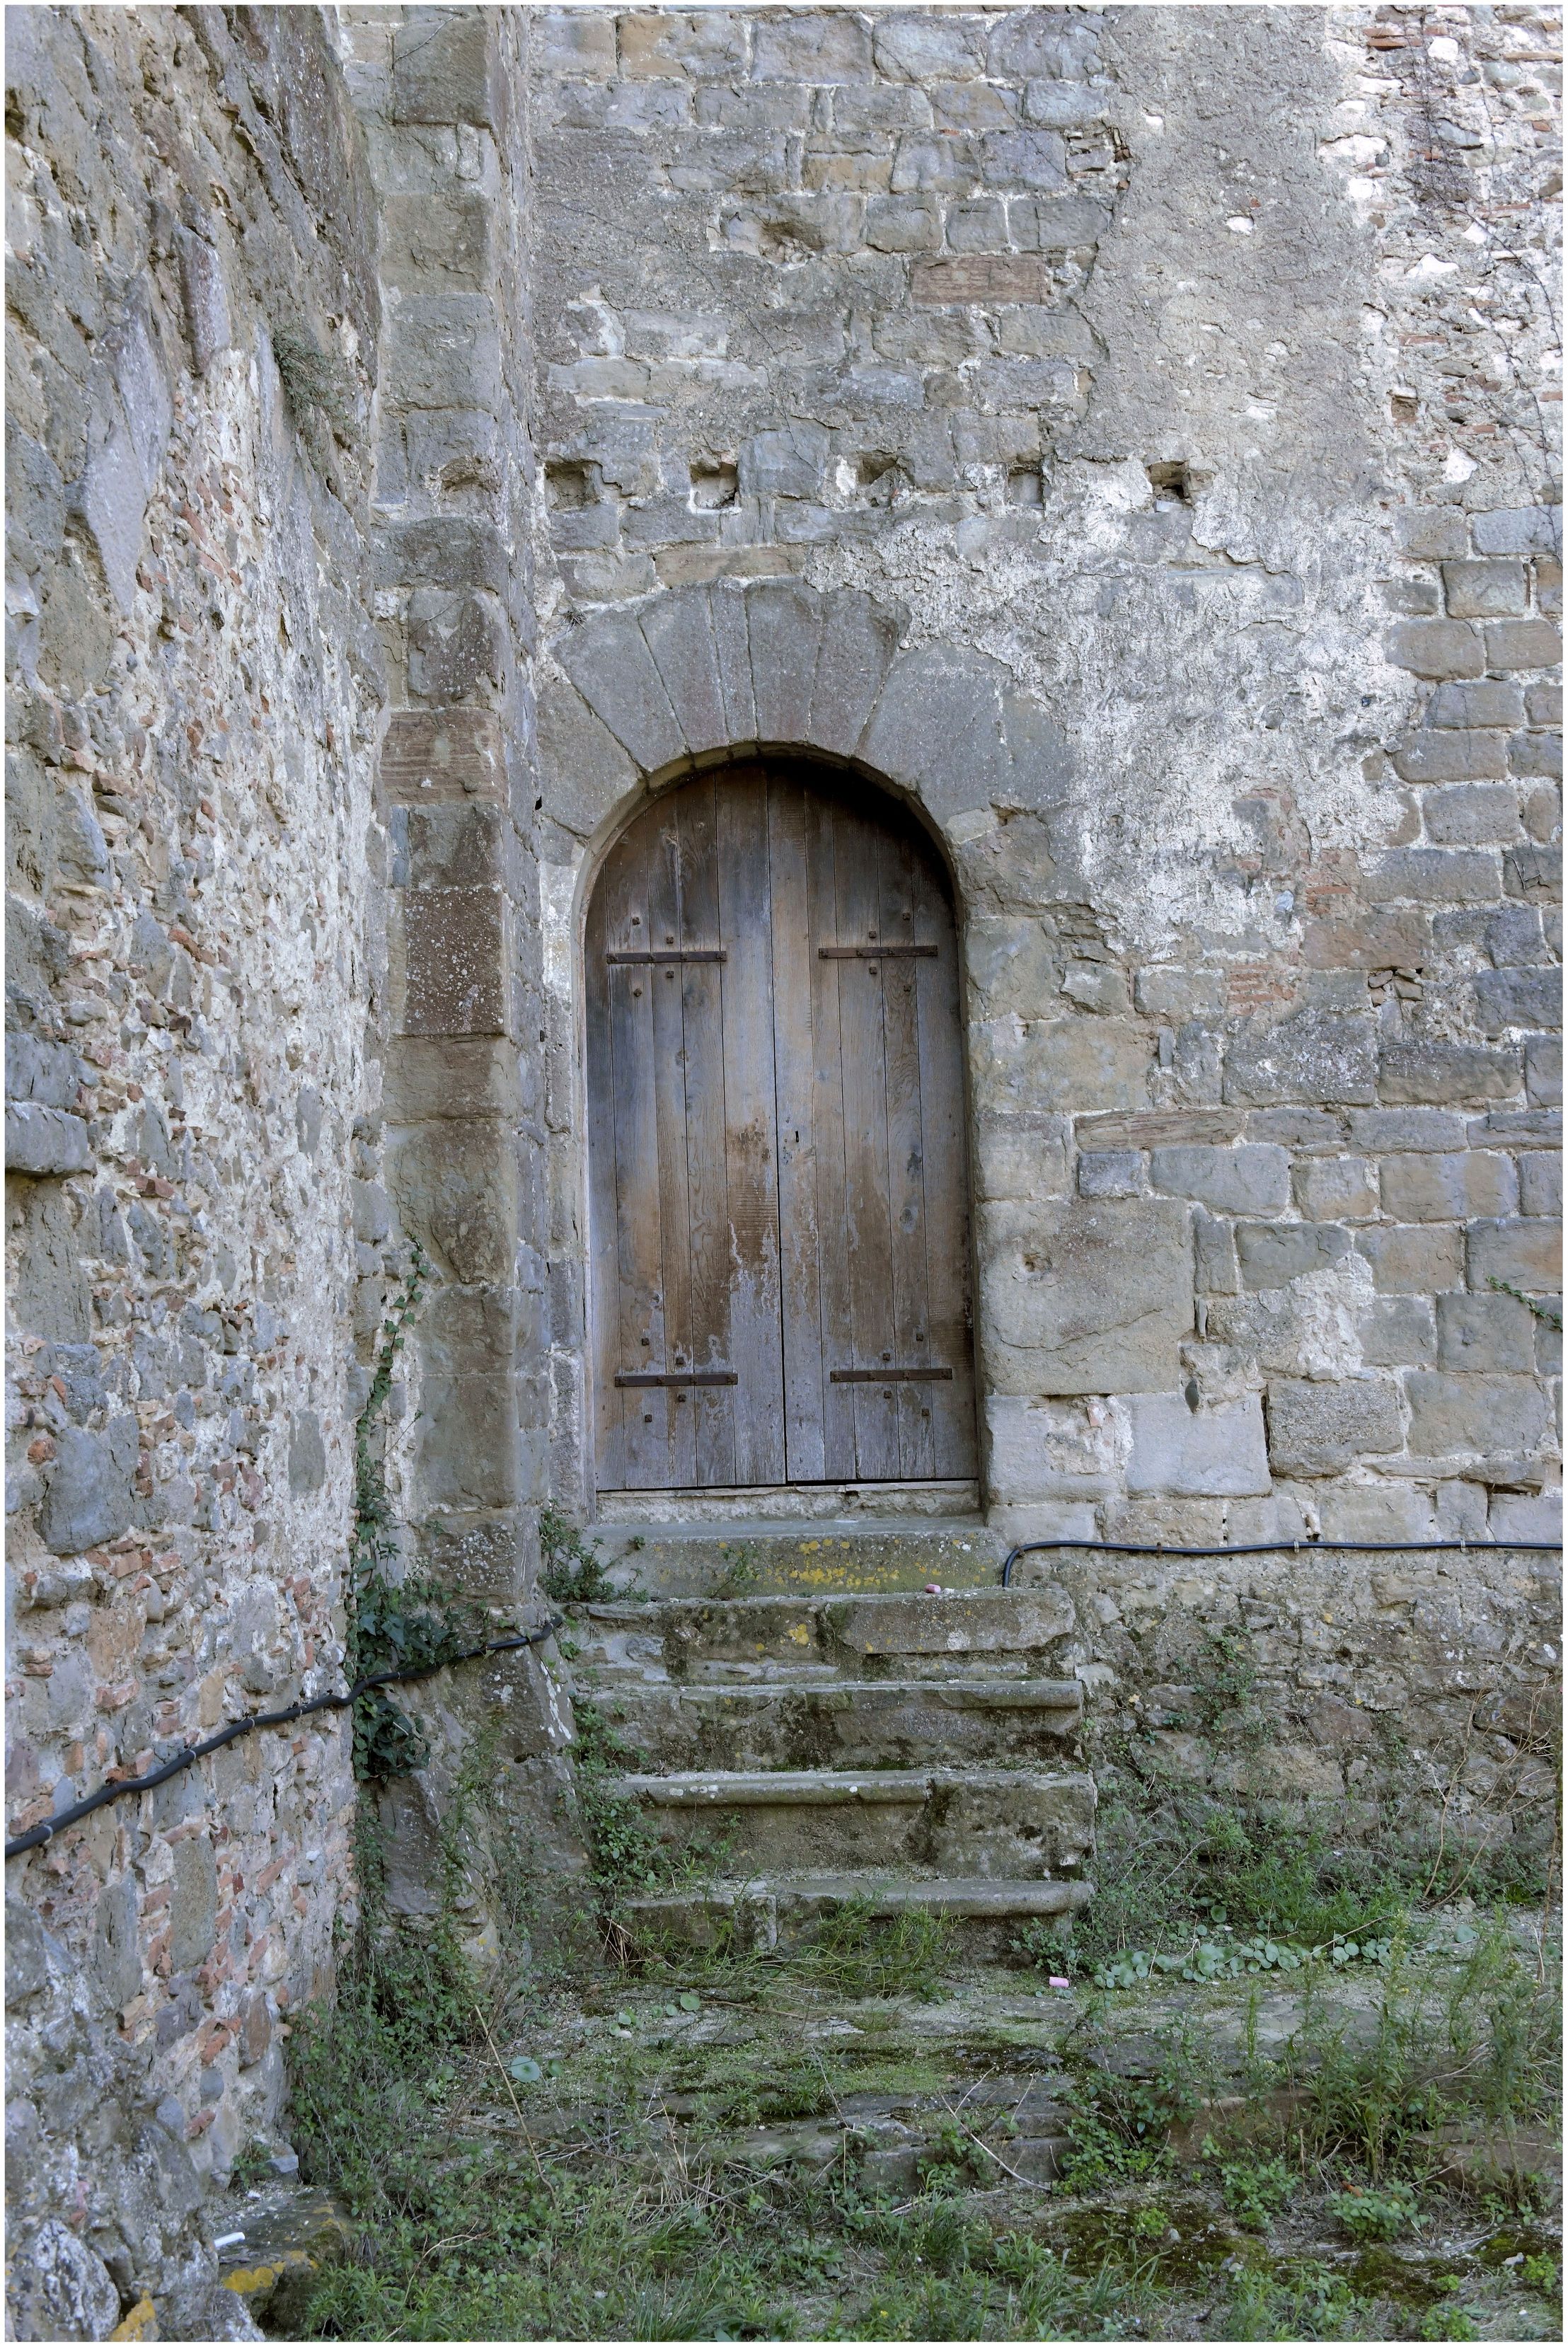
(1488, 702)
(938, 729)
(1505, 998)
(1111, 1174)
(922, 47)
(1518, 530)
(307, 1452)
(1413, 1258)
(1472, 814)
(679, 633)
(1429, 533)
(1397, 1332)
(859, 643)
(1485, 1332)
(583, 770)
(444, 551)
(117, 1945)
(610, 665)
(812, 46)
(1271, 1255)
(1484, 591)
(1432, 876)
(1440, 1188)
(443, 350)
(1379, 1129)
(206, 297)
(1544, 1070)
(1523, 1252)
(193, 1909)
(1478, 1415)
(784, 623)
(47, 1074)
(1215, 1271)
(1091, 1296)
(789, 463)
(1458, 755)
(1520, 643)
(1541, 1183)
(441, 67)
(1433, 1070)
(455, 645)
(1437, 648)
(1035, 159)
(1322, 1428)
(1332, 1189)
(1253, 1179)
(1208, 1453)
(731, 640)
(1313, 1055)
(88, 1499)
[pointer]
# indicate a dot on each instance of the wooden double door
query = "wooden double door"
(778, 1194)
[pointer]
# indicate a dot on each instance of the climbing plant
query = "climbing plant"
(414, 1622)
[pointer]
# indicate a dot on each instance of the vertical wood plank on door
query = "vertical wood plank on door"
(645, 1416)
(663, 991)
(800, 1267)
(946, 1188)
(603, 1212)
(750, 1134)
(905, 1152)
(836, 1318)
(865, 1145)
(712, 1406)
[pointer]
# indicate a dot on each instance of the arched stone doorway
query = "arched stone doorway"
(778, 1192)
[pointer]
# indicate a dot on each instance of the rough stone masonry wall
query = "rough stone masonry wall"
(194, 696)
(1179, 387)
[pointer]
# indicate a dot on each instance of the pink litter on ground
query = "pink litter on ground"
(1056, 1982)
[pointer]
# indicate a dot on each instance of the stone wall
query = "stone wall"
(1133, 434)
(194, 707)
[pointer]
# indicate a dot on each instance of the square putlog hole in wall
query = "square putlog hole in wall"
(877, 477)
(714, 483)
(1172, 485)
(571, 485)
(1025, 485)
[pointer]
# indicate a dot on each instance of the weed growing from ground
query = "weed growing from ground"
(1375, 2212)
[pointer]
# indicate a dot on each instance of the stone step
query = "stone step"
(885, 1723)
(718, 1638)
(981, 1823)
(783, 1910)
(756, 1559)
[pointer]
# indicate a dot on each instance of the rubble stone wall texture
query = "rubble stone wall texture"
(194, 705)
(1131, 433)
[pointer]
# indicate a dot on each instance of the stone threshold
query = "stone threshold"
(757, 1508)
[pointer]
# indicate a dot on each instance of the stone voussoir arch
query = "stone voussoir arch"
(643, 695)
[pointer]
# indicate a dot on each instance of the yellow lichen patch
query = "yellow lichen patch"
(141, 2322)
(245, 2281)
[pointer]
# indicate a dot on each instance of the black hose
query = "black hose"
(253, 1720)
(1273, 1548)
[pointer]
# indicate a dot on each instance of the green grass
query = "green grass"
(611, 2219)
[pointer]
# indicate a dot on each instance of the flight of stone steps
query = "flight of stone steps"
(815, 1726)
